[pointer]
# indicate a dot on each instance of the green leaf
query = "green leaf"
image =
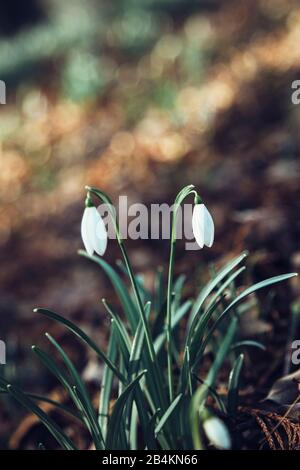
(258, 286)
(177, 291)
(196, 345)
(159, 290)
(34, 396)
(56, 370)
(211, 285)
(138, 355)
(186, 379)
(246, 343)
(245, 293)
(233, 384)
(136, 350)
(106, 384)
(180, 313)
(52, 427)
(59, 406)
(167, 414)
(198, 400)
(120, 288)
(64, 379)
(144, 293)
(215, 395)
(150, 438)
(91, 420)
(200, 330)
(83, 336)
(124, 342)
(115, 422)
(224, 286)
(81, 394)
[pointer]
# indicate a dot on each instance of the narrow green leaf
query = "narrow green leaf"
(91, 420)
(195, 345)
(81, 393)
(63, 378)
(213, 283)
(198, 400)
(136, 350)
(115, 421)
(144, 292)
(124, 342)
(167, 414)
(223, 286)
(106, 385)
(138, 354)
(34, 396)
(59, 406)
(233, 385)
(244, 294)
(120, 288)
(150, 439)
(199, 332)
(258, 286)
(56, 370)
(159, 290)
(246, 343)
(177, 290)
(180, 313)
(52, 427)
(83, 336)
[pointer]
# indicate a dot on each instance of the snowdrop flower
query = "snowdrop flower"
(93, 231)
(203, 225)
(217, 432)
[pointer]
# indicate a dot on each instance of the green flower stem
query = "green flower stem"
(178, 201)
(120, 241)
(169, 314)
(138, 300)
(157, 373)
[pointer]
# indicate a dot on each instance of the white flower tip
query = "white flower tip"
(210, 243)
(217, 433)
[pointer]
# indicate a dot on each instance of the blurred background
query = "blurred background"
(140, 97)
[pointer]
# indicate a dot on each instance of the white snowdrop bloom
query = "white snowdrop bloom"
(93, 231)
(203, 226)
(217, 433)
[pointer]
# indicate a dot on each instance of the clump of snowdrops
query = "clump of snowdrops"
(156, 349)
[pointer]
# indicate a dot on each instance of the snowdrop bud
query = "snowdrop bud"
(217, 432)
(203, 226)
(93, 231)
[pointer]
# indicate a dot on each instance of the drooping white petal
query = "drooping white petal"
(209, 228)
(198, 224)
(100, 242)
(93, 231)
(87, 230)
(217, 433)
(203, 226)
